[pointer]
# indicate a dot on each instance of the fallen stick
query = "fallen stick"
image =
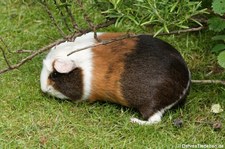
(209, 81)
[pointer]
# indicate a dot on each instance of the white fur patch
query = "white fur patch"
(155, 118)
(82, 59)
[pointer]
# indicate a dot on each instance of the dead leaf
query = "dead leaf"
(216, 108)
(178, 122)
(43, 140)
(217, 125)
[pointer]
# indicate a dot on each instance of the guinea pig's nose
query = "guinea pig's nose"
(45, 89)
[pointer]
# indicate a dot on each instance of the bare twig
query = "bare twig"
(102, 25)
(88, 20)
(183, 31)
(62, 14)
(45, 48)
(95, 35)
(15, 66)
(7, 47)
(53, 19)
(105, 24)
(129, 36)
(91, 27)
(75, 25)
(24, 51)
(86, 17)
(5, 58)
(209, 81)
(105, 42)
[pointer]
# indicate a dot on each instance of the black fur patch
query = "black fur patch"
(155, 76)
(69, 84)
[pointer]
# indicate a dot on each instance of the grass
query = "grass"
(30, 119)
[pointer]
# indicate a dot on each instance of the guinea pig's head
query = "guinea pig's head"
(66, 76)
(61, 76)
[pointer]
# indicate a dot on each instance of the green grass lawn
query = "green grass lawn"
(30, 119)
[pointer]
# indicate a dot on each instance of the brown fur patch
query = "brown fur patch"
(49, 82)
(69, 84)
(108, 64)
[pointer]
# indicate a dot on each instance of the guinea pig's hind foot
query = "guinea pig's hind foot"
(155, 118)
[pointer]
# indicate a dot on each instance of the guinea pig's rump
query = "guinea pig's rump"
(155, 76)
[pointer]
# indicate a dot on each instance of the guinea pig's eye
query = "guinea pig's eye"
(54, 74)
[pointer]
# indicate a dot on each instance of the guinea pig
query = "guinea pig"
(143, 72)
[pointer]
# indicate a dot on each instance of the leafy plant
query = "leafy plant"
(166, 15)
(158, 16)
(217, 24)
(219, 6)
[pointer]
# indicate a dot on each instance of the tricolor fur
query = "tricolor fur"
(142, 72)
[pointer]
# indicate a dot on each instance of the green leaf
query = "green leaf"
(219, 37)
(165, 28)
(216, 24)
(64, 5)
(218, 47)
(115, 3)
(182, 26)
(146, 23)
(174, 6)
(221, 59)
(218, 6)
(133, 19)
(159, 31)
(197, 22)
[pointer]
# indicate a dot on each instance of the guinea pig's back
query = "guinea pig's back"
(141, 72)
(108, 67)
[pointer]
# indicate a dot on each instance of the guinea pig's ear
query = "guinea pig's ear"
(63, 65)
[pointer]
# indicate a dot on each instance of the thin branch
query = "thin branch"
(24, 51)
(6, 60)
(8, 49)
(88, 20)
(209, 81)
(86, 17)
(105, 42)
(75, 25)
(62, 15)
(15, 66)
(128, 36)
(102, 25)
(53, 19)
(183, 31)
(73, 36)
(95, 35)
(45, 48)
(70, 15)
